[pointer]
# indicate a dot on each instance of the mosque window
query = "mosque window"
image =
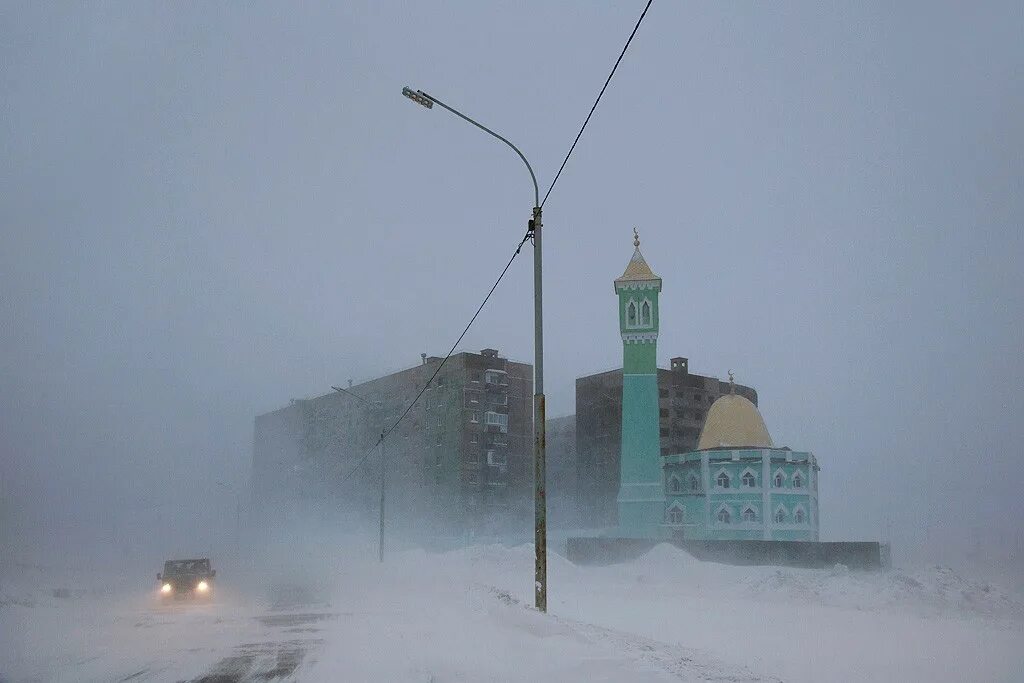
(694, 484)
(798, 481)
(645, 314)
(799, 516)
(675, 515)
(675, 485)
(780, 515)
(749, 515)
(748, 480)
(724, 517)
(778, 480)
(631, 314)
(723, 480)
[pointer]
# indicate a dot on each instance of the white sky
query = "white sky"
(210, 209)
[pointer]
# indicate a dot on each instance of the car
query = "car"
(186, 579)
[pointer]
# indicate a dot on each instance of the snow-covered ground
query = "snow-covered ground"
(467, 616)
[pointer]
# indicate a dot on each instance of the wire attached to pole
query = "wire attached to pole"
(607, 81)
(386, 433)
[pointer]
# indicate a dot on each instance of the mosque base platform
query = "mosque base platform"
(808, 554)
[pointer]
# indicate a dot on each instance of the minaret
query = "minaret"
(641, 496)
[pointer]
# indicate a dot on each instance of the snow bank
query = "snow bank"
(930, 591)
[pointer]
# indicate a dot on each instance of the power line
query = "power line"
(607, 81)
(353, 395)
(387, 432)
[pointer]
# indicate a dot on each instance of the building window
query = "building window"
(780, 515)
(437, 459)
(749, 515)
(724, 517)
(438, 439)
(799, 515)
(723, 480)
(499, 399)
(674, 485)
(798, 481)
(694, 484)
(645, 314)
(631, 314)
(675, 515)
(497, 458)
(472, 437)
(778, 480)
(496, 419)
(748, 480)
(474, 416)
(438, 420)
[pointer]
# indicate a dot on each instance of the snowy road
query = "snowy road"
(93, 640)
(465, 616)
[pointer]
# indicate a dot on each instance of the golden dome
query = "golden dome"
(734, 422)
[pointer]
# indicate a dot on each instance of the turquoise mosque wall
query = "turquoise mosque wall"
(702, 504)
(641, 498)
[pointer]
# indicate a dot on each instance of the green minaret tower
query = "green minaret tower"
(641, 492)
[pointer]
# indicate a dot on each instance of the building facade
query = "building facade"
(458, 465)
(560, 436)
(736, 485)
(683, 403)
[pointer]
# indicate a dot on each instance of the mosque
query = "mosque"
(737, 485)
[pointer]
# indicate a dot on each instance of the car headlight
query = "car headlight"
(166, 588)
(202, 586)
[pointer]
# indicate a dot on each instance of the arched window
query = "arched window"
(694, 484)
(780, 515)
(798, 481)
(723, 480)
(799, 515)
(723, 516)
(749, 515)
(674, 485)
(631, 314)
(748, 480)
(645, 314)
(778, 480)
(675, 515)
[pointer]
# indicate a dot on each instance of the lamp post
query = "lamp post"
(539, 484)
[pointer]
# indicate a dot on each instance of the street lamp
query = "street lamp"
(539, 485)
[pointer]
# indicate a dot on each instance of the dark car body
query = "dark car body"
(182, 579)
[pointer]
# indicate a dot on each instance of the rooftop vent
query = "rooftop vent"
(490, 353)
(680, 364)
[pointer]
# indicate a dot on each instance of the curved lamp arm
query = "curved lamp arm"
(426, 100)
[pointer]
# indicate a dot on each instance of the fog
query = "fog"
(209, 210)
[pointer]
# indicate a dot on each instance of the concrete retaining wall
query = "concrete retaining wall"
(811, 554)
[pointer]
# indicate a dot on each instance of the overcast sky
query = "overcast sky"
(211, 208)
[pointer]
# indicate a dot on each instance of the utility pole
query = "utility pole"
(540, 542)
(540, 516)
(383, 471)
(379, 406)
